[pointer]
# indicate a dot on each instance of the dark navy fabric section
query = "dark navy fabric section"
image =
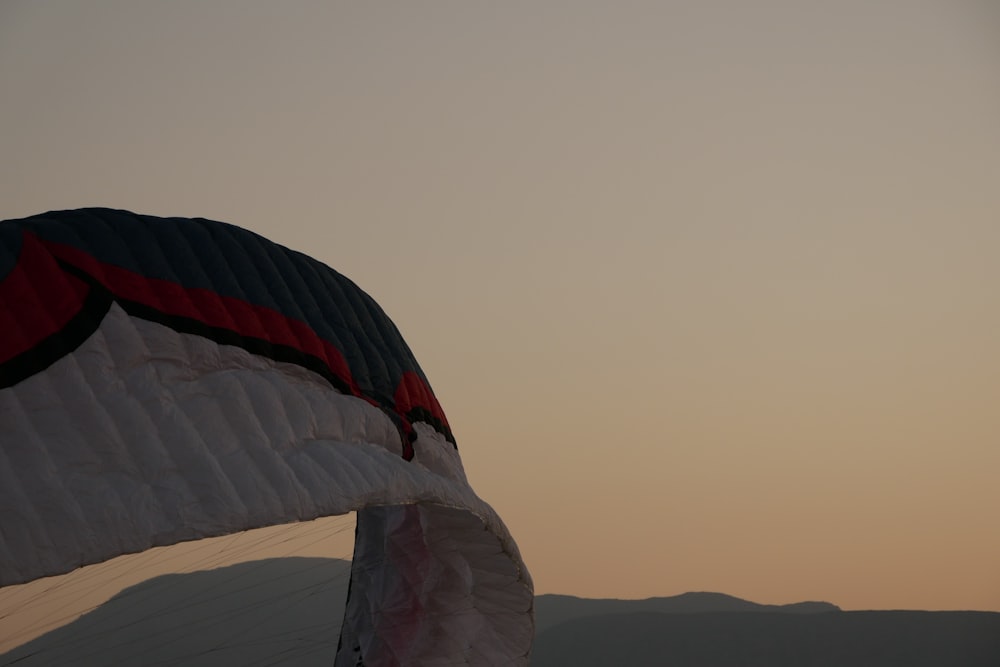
(235, 262)
(10, 248)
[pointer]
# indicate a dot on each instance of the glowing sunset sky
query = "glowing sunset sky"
(710, 291)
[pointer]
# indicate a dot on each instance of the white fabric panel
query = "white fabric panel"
(144, 437)
(473, 601)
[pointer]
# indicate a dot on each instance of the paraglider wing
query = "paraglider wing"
(168, 379)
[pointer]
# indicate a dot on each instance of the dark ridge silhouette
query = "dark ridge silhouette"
(754, 639)
(288, 611)
(552, 610)
(267, 612)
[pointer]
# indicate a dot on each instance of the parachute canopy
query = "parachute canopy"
(168, 379)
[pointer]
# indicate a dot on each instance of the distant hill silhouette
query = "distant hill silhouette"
(277, 611)
(698, 632)
(555, 609)
(288, 611)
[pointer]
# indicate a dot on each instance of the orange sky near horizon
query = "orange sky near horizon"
(708, 290)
